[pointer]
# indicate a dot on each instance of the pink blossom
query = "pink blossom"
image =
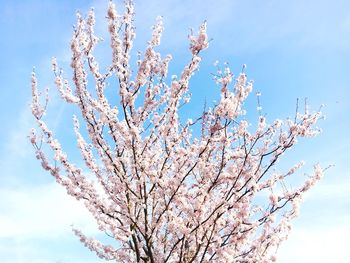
(167, 188)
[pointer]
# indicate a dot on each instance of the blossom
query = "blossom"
(168, 188)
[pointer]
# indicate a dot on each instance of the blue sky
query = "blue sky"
(293, 49)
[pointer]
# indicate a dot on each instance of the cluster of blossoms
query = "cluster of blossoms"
(162, 194)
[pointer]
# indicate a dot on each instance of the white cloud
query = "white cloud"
(43, 211)
(322, 231)
(326, 244)
(32, 252)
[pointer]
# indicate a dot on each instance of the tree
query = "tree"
(166, 190)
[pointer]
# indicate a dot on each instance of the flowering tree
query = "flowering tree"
(161, 193)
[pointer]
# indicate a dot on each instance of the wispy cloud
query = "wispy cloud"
(316, 244)
(321, 232)
(35, 226)
(42, 211)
